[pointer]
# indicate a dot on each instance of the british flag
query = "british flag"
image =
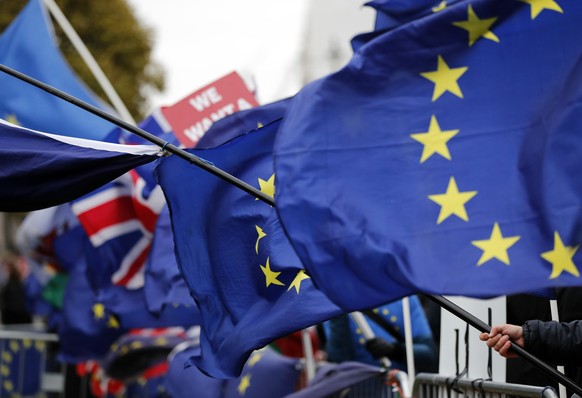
(120, 223)
(120, 219)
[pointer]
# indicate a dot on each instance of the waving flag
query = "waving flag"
(41, 170)
(164, 285)
(443, 158)
(120, 217)
(248, 284)
(28, 45)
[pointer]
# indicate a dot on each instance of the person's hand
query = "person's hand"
(500, 337)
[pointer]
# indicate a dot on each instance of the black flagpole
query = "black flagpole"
(166, 146)
(483, 327)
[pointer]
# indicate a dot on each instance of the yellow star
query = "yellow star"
(434, 140)
(245, 383)
(8, 385)
(112, 322)
(99, 311)
(14, 346)
(445, 79)
(12, 119)
(442, 5)
(268, 187)
(477, 27)
(496, 246)
(537, 6)
(254, 359)
(261, 235)
(301, 276)
(135, 345)
(271, 276)
(259, 125)
(452, 202)
(5, 370)
(561, 258)
(161, 341)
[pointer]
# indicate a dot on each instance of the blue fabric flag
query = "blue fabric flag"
(247, 281)
(87, 328)
(28, 46)
(183, 382)
(41, 170)
(21, 362)
(266, 374)
(164, 285)
(351, 378)
(443, 158)
(242, 122)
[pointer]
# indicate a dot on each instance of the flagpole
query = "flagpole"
(166, 146)
(89, 60)
(483, 327)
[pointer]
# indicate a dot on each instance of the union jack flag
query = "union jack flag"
(120, 221)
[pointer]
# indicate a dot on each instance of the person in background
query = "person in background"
(13, 307)
(345, 342)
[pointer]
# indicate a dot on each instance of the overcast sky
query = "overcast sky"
(198, 41)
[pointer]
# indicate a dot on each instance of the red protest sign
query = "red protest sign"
(191, 117)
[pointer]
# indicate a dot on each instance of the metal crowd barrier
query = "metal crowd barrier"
(428, 385)
(393, 384)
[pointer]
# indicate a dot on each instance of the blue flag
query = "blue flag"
(20, 361)
(242, 122)
(164, 285)
(247, 281)
(443, 158)
(41, 170)
(28, 46)
(266, 374)
(87, 328)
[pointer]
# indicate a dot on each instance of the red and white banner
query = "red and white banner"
(191, 117)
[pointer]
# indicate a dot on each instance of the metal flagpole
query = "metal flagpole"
(89, 61)
(556, 317)
(483, 327)
(408, 340)
(166, 146)
(368, 333)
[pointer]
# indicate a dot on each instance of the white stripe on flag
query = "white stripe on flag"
(98, 145)
(137, 280)
(100, 198)
(116, 230)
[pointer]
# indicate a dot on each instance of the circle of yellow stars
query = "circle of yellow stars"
(435, 142)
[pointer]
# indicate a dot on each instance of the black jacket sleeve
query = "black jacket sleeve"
(558, 343)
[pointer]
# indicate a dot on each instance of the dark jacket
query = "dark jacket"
(558, 343)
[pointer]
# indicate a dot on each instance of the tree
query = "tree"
(120, 44)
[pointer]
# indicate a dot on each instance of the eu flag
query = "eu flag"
(28, 45)
(443, 158)
(246, 279)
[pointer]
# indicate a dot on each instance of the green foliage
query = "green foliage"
(120, 44)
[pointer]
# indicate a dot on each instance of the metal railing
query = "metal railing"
(428, 385)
